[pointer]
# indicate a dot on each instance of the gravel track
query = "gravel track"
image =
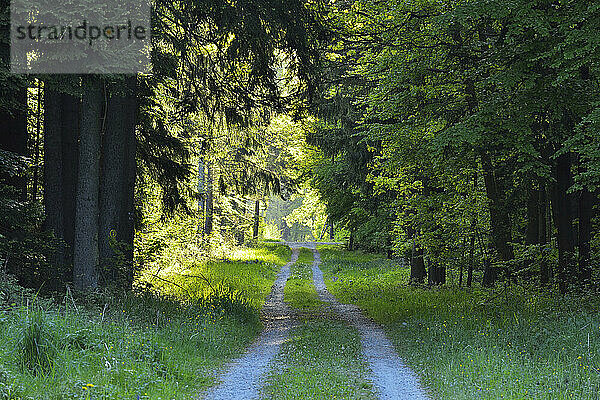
(243, 379)
(391, 377)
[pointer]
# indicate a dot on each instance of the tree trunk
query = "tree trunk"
(256, 219)
(331, 230)
(117, 182)
(36, 143)
(351, 240)
(533, 215)
(563, 218)
(13, 136)
(436, 275)
(53, 172)
(128, 211)
(499, 219)
(201, 194)
(543, 236)
(70, 106)
(417, 266)
(208, 217)
(462, 261)
(586, 205)
(471, 257)
(13, 112)
(86, 253)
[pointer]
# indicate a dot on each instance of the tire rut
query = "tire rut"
(243, 379)
(391, 377)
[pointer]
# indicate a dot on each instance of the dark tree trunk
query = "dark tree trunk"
(471, 259)
(533, 215)
(117, 182)
(351, 240)
(436, 275)
(417, 266)
(256, 219)
(285, 230)
(586, 205)
(462, 261)
(13, 113)
(208, 215)
(70, 106)
(473, 234)
(201, 194)
(238, 233)
(563, 218)
(499, 219)
(86, 254)
(37, 140)
(13, 136)
(53, 173)
(331, 231)
(543, 236)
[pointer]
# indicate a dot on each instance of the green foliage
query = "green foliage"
(24, 249)
(436, 117)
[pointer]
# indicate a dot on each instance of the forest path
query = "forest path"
(243, 379)
(391, 377)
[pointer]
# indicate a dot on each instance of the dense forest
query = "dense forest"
(462, 135)
(459, 139)
(459, 136)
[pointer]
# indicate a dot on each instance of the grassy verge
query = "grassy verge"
(163, 342)
(321, 361)
(476, 344)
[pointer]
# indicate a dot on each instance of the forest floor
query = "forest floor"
(162, 342)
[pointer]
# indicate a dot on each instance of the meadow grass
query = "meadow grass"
(160, 342)
(322, 360)
(507, 343)
(299, 291)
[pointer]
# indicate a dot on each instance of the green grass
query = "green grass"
(322, 360)
(477, 344)
(299, 291)
(164, 342)
(305, 256)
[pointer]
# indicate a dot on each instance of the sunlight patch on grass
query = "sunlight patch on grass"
(299, 291)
